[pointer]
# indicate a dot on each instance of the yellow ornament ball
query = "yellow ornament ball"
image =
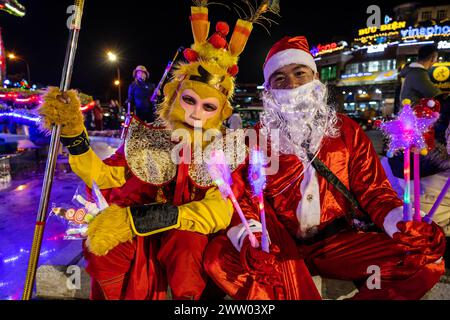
(424, 152)
(406, 102)
(88, 218)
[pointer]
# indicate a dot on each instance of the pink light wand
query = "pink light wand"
(257, 179)
(221, 175)
(417, 216)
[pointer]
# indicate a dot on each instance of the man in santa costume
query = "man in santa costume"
(163, 205)
(330, 209)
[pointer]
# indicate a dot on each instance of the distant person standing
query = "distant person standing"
(114, 108)
(417, 83)
(235, 122)
(98, 116)
(139, 95)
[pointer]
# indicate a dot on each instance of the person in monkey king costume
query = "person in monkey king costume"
(161, 213)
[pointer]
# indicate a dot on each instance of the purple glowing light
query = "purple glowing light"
(407, 131)
(257, 174)
(220, 172)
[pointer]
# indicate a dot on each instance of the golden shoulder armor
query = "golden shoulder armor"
(148, 152)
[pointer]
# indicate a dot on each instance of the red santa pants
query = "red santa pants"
(143, 268)
(347, 256)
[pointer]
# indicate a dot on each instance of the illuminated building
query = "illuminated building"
(364, 77)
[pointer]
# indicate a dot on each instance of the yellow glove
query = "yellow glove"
(64, 109)
(109, 229)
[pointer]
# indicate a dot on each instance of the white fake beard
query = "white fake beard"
(302, 116)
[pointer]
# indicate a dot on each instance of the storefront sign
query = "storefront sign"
(383, 28)
(379, 38)
(442, 45)
(440, 75)
(425, 32)
(328, 48)
(377, 48)
(368, 78)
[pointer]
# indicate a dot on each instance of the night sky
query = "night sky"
(150, 35)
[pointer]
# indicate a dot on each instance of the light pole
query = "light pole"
(112, 57)
(13, 57)
(117, 83)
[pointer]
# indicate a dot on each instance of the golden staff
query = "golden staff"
(52, 154)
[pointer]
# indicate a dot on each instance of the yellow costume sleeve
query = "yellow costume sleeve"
(206, 216)
(89, 167)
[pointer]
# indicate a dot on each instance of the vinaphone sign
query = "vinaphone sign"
(425, 32)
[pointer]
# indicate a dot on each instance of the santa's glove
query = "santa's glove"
(110, 228)
(262, 265)
(62, 108)
(424, 243)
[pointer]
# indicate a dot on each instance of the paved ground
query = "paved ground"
(18, 208)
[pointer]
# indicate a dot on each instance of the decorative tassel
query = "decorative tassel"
(200, 3)
(160, 197)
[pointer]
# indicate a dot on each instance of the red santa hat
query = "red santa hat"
(289, 50)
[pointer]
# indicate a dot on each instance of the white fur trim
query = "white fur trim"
(286, 57)
(391, 220)
(394, 217)
(238, 233)
(308, 209)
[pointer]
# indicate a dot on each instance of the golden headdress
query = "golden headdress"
(213, 61)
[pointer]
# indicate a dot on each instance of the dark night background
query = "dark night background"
(149, 32)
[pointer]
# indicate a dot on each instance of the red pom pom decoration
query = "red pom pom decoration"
(431, 103)
(222, 28)
(424, 112)
(429, 139)
(190, 55)
(377, 123)
(233, 71)
(218, 41)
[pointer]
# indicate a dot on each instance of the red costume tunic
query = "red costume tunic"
(346, 255)
(145, 267)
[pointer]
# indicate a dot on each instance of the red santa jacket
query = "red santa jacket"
(351, 157)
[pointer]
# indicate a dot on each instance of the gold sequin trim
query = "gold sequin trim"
(234, 148)
(148, 153)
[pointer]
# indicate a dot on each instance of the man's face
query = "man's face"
(140, 75)
(291, 77)
(434, 59)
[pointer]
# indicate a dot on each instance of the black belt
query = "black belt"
(330, 230)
